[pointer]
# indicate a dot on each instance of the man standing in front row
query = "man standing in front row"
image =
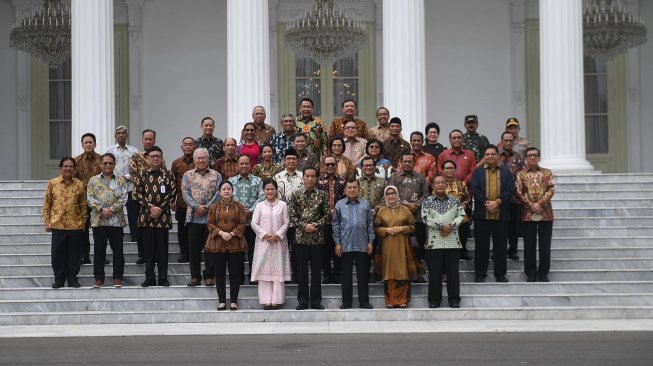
(65, 214)
(156, 191)
(309, 212)
(535, 189)
(353, 233)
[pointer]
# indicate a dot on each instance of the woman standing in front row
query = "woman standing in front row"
(394, 223)
(271, 264)
(226, 243)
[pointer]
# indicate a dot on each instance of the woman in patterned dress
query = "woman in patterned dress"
(271, 263)
(266, 168)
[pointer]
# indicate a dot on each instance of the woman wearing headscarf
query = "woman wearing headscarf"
(394, 223)
(460, 191)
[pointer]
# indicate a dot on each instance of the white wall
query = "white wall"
(646, 87)
(184, 69)
(468, 64)
(8, 97)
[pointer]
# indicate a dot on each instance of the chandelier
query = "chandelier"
(610, 30)
(325, 33)
(44, 32)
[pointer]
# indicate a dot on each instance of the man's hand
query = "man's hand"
(446, 230)
(200, 211)
(47, 228)
(155, 212)
(370, 248)
(106, 213)
(310, 228)
(339, 250)
(536, 207)
(491, 206)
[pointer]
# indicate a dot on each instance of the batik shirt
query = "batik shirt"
(425, 165)
(263, 172)
(355, 148)
(199, 188)
(281, 142)
(111, 194)
(226, 166)
(306, 160)
(334, 187)
(214, 145)
(372, 190)
(413, 188)
(262, 134)
(394, 149)
(139, 165)
(438, 212)
(317, 136)
(64, 205)
(434, 149)
(512, 161)
(288, 184)
(248, 191)
(123, 158)
(535, 186)
(475, 143)
(179, 167)
(156, 188)
(380, 133)
(86, 166)
(338, 128)
(309, 207)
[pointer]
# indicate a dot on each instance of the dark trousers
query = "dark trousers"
(483, 231)
(532, 231)
(312, 253)
(66, 250)
(197, 235)
(464, 231)
(132, 218)
(513, 227)
(235, 262)
(442, 261)
(114, 235)
(86, 242)
(250, 239)
(420, 235)
(362, 261)
(293, 256)
(182, 233)
(155, 246)
(329, 253)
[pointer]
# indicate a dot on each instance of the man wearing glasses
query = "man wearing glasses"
(465, 160)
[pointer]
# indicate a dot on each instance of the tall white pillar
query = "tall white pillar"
(135, 16)
(92, 72)
(518, 60)
(23, 155)
(404, 62)
(248, 62)
(561, 81)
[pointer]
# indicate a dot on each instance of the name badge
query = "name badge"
(163, 189)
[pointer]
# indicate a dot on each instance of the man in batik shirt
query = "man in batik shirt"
(312, 127)
(334, 186)
(513, 161)
(212, 144)
(348, 114)
(87, 165)
(283, 140)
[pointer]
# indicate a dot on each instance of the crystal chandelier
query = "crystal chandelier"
(44, 32)
(610, 30)
(325, 33)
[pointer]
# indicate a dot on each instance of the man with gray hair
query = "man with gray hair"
(262, 131)
(179, 167)
(200, 190)
(283, 140)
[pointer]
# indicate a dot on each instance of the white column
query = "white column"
(518, 60)
(135, 16)
(404, 62)
(561, 86)
(248, 62)
(92, 72)
(23, 155)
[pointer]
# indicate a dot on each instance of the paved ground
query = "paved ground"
(560, 348)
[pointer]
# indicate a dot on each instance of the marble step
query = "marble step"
(24, 192)
(604, 178)
(602, 212)
(600, 193)
(24, 184)
(643, 202)
(35, 209)
(319, 316)
(328, 301)
(604, 186)
(417, 289)
(516, 275)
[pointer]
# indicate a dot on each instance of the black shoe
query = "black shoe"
(183, 259)
(366, 305)
(86, 260)
(531, 279)
(301, 307)
(74, 284)
(140, 260)
(501, 278)
(57, 285)
(148, 283)
(194, 282)
(514, 257)
(455, 304)
(466, 256)
(343, 306)
(317, 307)
(479, 279)
(434, 305)
(543, 278)
(164, 283)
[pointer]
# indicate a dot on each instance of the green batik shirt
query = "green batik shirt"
(316, 132)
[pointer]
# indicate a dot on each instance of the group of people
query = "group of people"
(336, 198)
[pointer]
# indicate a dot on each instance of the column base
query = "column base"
(567, 165)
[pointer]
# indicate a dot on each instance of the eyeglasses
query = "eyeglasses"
(532, 156)
(108, 163)
(391, 194)
(368, 165)
(329, 164)
(449, 167)
(249, 130)
(350, 127)
(374, 147)
(155, 156)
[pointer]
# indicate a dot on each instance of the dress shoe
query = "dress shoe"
(514, 257)
(267, 307)
(106, 261)
(301, 307)
(466, 256)
(531, 279)
(366, 305)
(117, 283)
(501, 278)
(148, 283)
(86, 260)
(434, 305)
(98, 284)
(140, 260)
(74, 284)
(455, 304)
(57, 285)
(183, 259)
(164, 283)
(343, 306)
(317, 307)
(479, 279)
(194, 282)
(208, 282)
(543, 278)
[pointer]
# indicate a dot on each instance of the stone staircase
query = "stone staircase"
(602, 268)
